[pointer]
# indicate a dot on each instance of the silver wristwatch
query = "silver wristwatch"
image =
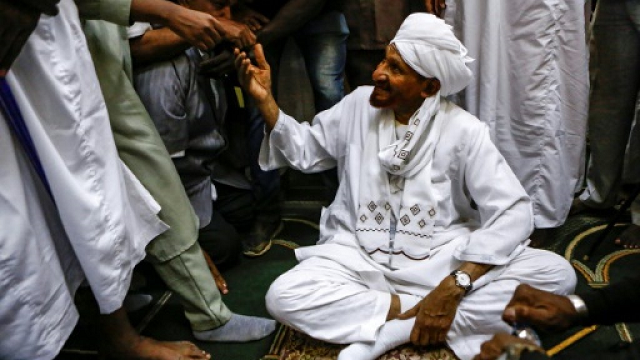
(463, 280)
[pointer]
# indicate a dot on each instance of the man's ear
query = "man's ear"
(431, 87)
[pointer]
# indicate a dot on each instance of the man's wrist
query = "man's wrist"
(450, 284)
(581, 311)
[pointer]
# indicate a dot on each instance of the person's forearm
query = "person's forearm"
(270, 111)
(157, 45)
(290, 18)
(475, 270)
(153, 11)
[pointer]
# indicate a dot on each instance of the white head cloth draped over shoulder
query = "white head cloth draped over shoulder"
(428, 45)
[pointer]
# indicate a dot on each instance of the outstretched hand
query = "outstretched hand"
(435, 7)
(434, 314)
(239, 34)
(255, 79)
(197, 28)
(17, 22)
(539, 308)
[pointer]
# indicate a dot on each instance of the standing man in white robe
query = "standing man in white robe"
(427, 237)
(97, 220)
(531, 86)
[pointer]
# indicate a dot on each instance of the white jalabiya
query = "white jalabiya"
(340, 290)
(531, 87)
(408, 161)
(102, 218)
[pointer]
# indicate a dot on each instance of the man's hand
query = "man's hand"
(253, 19)
(434, 314)
(197, 28)
(16, 25)
(495, 347)
(239, 34)
(219, 65)
(435, 7)
(539, 308)
(256, 80)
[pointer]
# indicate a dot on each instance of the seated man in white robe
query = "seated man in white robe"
(427, 237)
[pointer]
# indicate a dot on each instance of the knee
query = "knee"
(276, 299)
(560, 274)
(568, 277)
(544, 270)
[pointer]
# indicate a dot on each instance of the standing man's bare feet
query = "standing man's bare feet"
(630, 237)
(121, 341)
(144, 348)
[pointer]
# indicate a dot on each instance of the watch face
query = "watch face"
(463, 279)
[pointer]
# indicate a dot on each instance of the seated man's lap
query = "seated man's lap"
(325, 286)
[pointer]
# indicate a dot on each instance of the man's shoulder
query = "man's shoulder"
(362, 93)
(460, 120)
(357, 101)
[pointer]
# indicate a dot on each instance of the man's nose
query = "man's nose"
(379, 74)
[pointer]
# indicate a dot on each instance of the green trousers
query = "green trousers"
(176, 255)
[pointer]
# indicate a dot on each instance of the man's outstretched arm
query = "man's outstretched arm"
(198, 28)
(609, 305)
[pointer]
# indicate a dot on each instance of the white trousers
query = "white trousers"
(329, 301)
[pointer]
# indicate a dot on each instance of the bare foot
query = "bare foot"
(630, 237)
(187, 349)
(144, 348)
(120, 341)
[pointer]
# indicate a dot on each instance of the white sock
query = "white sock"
(392, 334)
(239, 328)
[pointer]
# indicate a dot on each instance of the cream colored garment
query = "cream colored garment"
(531, 86)
(103, 217)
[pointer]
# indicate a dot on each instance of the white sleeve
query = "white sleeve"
(309, 147)
(138, 29)
(506, 214)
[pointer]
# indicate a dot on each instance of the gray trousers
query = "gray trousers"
(615, 82)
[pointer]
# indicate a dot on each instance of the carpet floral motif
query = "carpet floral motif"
(292, 345)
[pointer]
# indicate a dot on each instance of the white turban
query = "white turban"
(428, 45)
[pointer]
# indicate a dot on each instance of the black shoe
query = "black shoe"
(258, 242)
